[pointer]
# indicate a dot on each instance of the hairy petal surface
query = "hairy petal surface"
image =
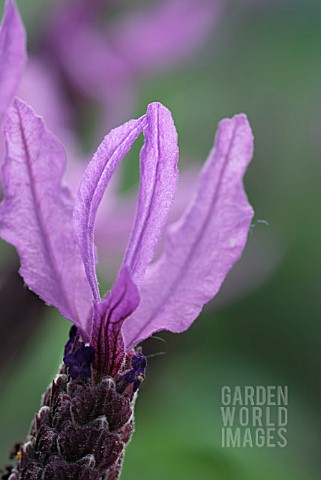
(203, 246)
(12, 55)
(107, 338)
(36, 216)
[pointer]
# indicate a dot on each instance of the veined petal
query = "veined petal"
(158, 181)
(92, 187)
(203, 246)
(36, 216)
(107, 338)
(157, 189)
(12, 54)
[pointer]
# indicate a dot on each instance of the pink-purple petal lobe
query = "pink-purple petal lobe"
(158, 182)
(107, 338)
(12, 54)
(92, 187)
(203, 246)
(36, 216)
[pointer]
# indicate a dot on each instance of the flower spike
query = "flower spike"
(87, 413)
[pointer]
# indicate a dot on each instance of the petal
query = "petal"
(92, 187)
(203, 246)
(157, 189)
(36, 215)
(12, 55)
(107, 338)
(159, 176)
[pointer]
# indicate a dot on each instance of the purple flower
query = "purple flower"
(86, 416)
(55, 235)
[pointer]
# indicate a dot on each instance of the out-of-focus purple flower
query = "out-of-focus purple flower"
(166, 34)
(114, 58)
(12, 57)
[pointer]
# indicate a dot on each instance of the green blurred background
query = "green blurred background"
(263, 58)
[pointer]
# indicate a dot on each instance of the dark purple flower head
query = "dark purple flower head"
(54, 233)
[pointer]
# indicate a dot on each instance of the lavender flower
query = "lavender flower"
(86, 417)
(39, 219)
